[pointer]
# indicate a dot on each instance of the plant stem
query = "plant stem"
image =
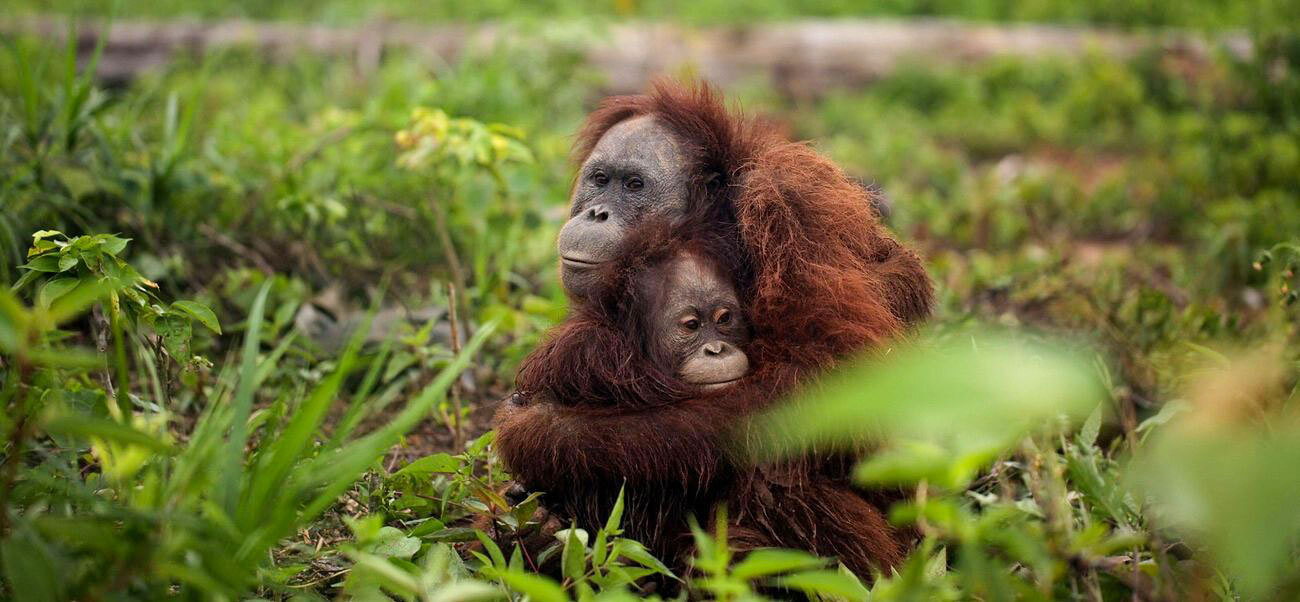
(448, 249)
(17, 436)
(119, 359)
(101, 328)
(458, 433)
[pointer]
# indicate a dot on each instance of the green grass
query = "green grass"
(1128, 227)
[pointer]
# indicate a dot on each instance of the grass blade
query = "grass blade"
(243, 403)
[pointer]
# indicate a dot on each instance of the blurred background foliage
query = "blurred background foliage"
(1193, 13)
(261, 308)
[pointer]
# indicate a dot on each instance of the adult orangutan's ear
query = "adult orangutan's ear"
(713, 181)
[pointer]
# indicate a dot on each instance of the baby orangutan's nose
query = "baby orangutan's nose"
(716, 363)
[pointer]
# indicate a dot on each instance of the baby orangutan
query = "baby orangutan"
(647, 388)
(657, 358)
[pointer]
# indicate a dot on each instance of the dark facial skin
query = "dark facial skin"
(637, 170)
(697, 325)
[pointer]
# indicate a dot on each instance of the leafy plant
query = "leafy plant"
(200, 516)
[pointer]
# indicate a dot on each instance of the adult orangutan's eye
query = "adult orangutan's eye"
(634, 183)
(600, 179)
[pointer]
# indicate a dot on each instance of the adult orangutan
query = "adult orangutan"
(814, 275)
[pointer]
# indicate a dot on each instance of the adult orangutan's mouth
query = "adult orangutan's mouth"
(720, 384)
(580, 264)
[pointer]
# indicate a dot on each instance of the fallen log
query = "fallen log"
(800, 58)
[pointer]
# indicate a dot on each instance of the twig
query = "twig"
(458, 433)
(444, 238)
(307, 154)
(100, 326)
(239, 248)
(1137, 572)
(401, 211)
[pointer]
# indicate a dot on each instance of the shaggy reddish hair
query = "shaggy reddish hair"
(595, 412)
(818, 278)
(808, 231)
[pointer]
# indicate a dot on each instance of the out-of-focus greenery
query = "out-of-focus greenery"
(1192, 13)
(172, 428)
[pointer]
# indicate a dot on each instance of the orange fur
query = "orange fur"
(819, 279)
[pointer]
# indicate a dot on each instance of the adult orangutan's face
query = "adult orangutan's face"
(637, 170)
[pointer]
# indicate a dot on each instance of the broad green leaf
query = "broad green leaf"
(54, 289)
(634, 551)
(1101, 490)
(465, 591)
(25, 279)
(40, 234)
(524, 510)
(493, 550)
(481, 443)
(74, 358)
(539, 588)
(73, 304)
(41, 246)
(1167, 412)
(906, 462)
(936, 565)
(600, 548)
(395, 544)
(29, 567)
(387, 573)
(487, 494)
(67, 261)
(1091, 427)
(423, 468)
(826, 582)
(454, 534)
(575, 552)
(76, 425)
(175, 332)
(1233, 490)
(113, 245)
(199, 312)
(429, 525)
(761, 563)
(968, 400)
(45, 263)
(615, 520)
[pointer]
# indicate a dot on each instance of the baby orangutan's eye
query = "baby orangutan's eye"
(691, 324)
(723, 316)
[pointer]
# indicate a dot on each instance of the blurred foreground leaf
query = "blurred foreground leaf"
(1225, 473)
(942, 411)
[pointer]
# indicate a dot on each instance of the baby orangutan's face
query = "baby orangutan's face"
(697, 324)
